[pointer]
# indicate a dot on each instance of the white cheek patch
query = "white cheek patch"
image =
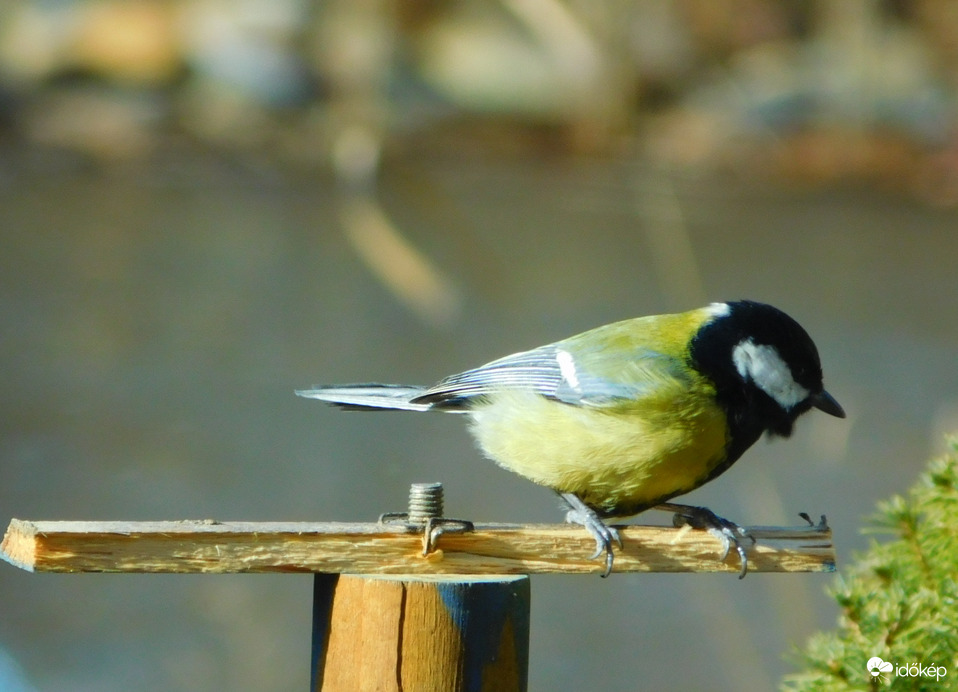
(764, 366)
(567, 368)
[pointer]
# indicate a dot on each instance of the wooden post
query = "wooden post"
(324, 590)
(461, 633)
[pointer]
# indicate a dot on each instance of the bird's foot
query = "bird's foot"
(604, 535)
(727, 532)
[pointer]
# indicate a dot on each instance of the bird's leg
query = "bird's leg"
(604, 535)
(727, 532)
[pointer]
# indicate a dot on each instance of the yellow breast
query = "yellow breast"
(618, 460)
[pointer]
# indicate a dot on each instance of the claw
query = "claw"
(727, 532)
(604, 535)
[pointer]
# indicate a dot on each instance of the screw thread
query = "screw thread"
(425, 501)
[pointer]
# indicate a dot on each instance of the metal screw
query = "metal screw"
(425, 502)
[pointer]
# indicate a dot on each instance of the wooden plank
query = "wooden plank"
(208, 546)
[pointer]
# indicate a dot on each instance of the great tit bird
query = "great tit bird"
(624, 417)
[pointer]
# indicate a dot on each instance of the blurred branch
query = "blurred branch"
(664, 223)
(397, 263)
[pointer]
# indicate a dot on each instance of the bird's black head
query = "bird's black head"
(765, 368)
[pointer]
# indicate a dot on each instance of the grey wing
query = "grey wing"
(536, 370)
(553, 372)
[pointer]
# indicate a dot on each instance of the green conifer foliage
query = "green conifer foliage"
(899, 600)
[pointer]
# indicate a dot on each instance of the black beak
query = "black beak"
(824, 401)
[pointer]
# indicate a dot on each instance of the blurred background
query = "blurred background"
(205, 204)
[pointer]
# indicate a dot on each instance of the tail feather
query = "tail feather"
(367, 396)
